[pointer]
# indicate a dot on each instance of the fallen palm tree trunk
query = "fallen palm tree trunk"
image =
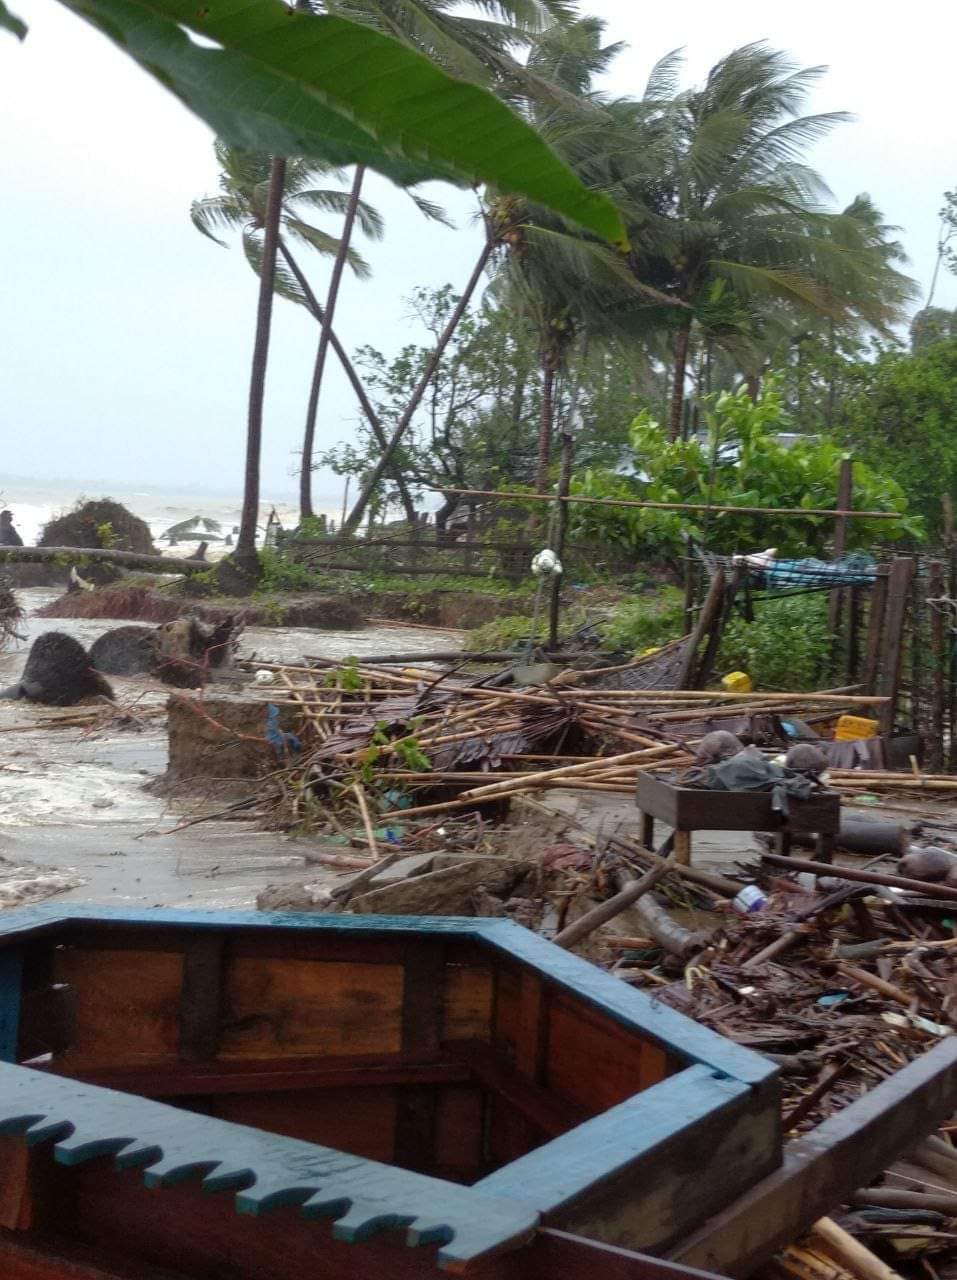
(102, 555)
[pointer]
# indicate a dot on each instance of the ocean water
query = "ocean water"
(33, 503)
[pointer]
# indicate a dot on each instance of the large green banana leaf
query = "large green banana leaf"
(285, 82)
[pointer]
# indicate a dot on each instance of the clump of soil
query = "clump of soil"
(101, 523)
(142, 604)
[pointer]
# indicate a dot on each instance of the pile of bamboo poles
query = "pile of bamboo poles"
(414, 730)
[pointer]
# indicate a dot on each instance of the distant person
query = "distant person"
(8, 535)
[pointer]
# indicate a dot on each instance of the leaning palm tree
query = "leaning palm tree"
(483, 48)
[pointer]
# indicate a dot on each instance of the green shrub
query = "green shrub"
(786, 647)
(646, 622)
(280, 574)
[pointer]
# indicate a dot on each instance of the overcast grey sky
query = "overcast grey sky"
(125, 336)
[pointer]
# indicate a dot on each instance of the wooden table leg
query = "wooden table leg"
(647, 830)
(824, 848)
(683, 848)
(784, 842)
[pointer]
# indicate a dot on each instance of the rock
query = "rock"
(294, 897)
(446, 892)
(415, 864)
(930, 864)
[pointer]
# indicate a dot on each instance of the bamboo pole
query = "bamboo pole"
(366, 820)
(668, 506)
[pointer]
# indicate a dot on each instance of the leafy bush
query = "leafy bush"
(785, 647)
(742, 464)
(279, 574)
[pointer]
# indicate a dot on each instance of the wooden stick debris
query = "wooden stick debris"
(605, 911)
(837, 872)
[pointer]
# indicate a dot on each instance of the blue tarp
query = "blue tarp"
(851, 571)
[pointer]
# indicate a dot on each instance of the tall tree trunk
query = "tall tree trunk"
(355, 382)
(381, 467)
(547, 423)
(753, 383)
(831, 384)
(245, 553)
(335, 282)
(561, 533)
(682, 342)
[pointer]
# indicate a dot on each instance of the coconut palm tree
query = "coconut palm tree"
(246, 193)
(244, 182)
(733, 200)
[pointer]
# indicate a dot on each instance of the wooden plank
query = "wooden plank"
(291, 1007)
(549, 1114)
(898, 595)
(590, 1062)
(467, 1006)
(256, 1171)
(20, 1260)
(362, 1122)
(47, 1020)
(268, 1075)
(11, 966)
(423, 1001)
(551, 1254)
(827, 1165)
(633, 1176)
(689, 809)
(201, 1001)
(15, 1200)
(423, 1013)
(707, 618)
(459, 1136)
(559, 1255)
(127, 1004)
(415, 1128)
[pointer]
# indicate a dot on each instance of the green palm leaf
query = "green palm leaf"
(10, 22)
(332, 201)
(329, 245)
(291, 83)
(221, 212)
(285, 284)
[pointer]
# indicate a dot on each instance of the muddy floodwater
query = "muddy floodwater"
(76, 819)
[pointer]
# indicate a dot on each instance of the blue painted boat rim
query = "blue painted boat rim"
(634, 1010)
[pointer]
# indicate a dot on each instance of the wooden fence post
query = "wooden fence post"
(892, 646)
(710, 617)
(845, 502)
(941, 660)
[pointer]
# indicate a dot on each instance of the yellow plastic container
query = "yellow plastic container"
(737, 682)
(851, 728)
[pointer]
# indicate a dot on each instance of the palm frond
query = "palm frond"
(285, 284)
(221, 212)
(429, 209)
(332, 201)
(306, 233)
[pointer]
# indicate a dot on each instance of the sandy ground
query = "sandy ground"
(76, 820)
